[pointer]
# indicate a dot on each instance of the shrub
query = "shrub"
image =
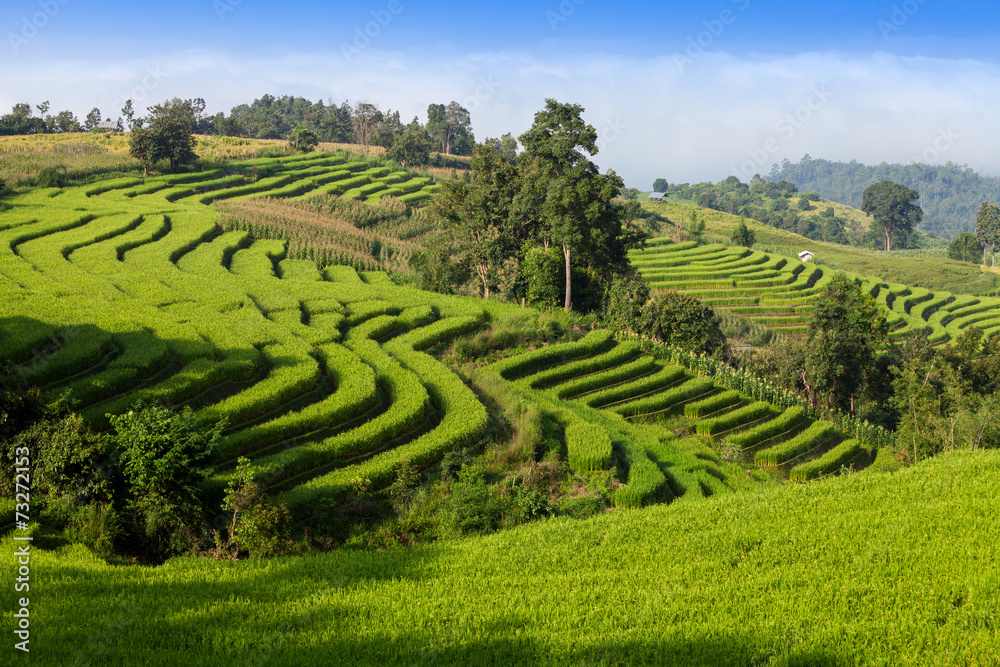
(164, 459)
(51, 177)
(678, 319)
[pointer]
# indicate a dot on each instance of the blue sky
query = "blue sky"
(687, 91)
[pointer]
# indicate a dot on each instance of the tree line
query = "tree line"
(447, 130)
(950, 194)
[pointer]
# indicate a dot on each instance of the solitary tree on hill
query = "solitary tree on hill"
(894, 208)
(572, 196)
(168, 137)
(743, 235)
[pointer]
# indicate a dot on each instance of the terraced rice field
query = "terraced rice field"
(777, 292)
(129, 291)
(614, 402)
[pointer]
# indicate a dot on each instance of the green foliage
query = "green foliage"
(259, 525)
(168, 136)
(51, 177)
(164, 459)
(660, 185)
(988, 227)
(951, 193)
(411, 147)
(742, 235)
(675, 318)
(302, 139)
(966, 248)
(894, 208)
(544, 274)
(846, 332)
(947, 397)
(624, 301)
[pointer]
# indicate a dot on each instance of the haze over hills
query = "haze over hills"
(950, 194)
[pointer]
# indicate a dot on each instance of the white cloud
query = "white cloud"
(717, 115)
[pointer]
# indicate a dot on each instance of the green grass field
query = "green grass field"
(876, 569)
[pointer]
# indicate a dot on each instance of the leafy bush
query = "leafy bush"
(678, 319)
(51, 177)
(164, 459)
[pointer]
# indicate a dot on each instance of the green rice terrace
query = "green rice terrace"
(128, 290)
(777, 291)
(166, 290)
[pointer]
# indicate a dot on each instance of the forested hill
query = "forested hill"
(949, 194)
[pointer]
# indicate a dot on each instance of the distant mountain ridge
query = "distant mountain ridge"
(950, 194)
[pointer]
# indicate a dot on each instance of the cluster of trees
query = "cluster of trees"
(950, 194)
(541, 227)
(23, 120)
(935, 398)
(448, 129)
(893, 207)
(768, 203)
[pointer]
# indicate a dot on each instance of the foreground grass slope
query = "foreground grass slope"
(894, 569)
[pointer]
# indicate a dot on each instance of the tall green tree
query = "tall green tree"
(505, 146)
(966, 248)
(364, 123)
(449, 125)
(303, 139)
(169, 135)
(412, 146)
(568, 195)
(478, 212)
(743, 235)
(660, 185)
(894, 208)
(846, 333)
(93, 119)
(988, 229)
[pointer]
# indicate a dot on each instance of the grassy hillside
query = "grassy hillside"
(888, 569)
(87, 155)
(912, 268)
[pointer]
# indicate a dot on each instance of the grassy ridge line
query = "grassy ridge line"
(688, 575)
